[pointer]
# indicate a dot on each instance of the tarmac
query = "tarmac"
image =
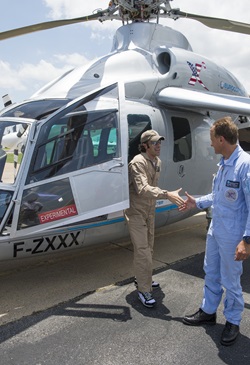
(82, 307)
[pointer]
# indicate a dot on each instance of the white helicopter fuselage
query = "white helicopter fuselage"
(147, 57)
(72, 185)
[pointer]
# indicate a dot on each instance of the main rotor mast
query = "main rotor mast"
(138, 10)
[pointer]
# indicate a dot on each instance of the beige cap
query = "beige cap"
(151, 135)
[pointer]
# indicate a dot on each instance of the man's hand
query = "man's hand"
(189, 203)
(242, 251)
(174, 197)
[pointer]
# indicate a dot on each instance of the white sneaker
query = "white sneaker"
(146, 299)
(154, 284)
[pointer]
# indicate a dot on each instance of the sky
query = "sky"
(29, 62)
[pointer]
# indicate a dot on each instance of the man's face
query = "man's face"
(153, 149)
(216, 142)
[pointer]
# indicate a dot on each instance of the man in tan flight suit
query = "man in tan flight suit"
(144, 173)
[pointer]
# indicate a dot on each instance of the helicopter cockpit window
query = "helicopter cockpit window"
(12, 144)
(75, 141)
(36, 109)
(137, 124)
(182, 139)
(5, 199)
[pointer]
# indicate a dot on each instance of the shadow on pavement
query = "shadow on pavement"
(72, 308)
(194, 266)
(160, 311)
(238, 353)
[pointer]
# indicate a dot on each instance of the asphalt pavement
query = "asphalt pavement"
(82, 308)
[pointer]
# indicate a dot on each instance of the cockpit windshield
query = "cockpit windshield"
(13, 136)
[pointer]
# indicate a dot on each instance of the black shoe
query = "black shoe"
(229, 334)
(199, 318)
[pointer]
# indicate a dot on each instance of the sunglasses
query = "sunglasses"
(155, 143)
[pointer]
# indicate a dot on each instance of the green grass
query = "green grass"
(10, 157)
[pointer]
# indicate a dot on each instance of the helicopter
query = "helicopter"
(64, 152)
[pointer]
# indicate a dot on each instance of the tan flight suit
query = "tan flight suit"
(140, 217)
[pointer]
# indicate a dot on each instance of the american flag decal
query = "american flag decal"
(196, 69)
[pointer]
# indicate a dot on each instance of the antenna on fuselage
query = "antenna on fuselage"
(6, 100)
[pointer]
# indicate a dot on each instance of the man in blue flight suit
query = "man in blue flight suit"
(228, 237)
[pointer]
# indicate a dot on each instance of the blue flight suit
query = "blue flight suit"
(230, 203)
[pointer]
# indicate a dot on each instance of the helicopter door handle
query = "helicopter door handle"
(120, 164)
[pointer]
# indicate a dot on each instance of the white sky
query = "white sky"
(28, 62)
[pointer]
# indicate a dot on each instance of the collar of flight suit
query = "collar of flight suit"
(232, 158)
(144, 154)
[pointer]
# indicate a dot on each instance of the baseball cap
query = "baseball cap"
(151, 135)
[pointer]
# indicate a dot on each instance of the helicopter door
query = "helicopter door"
(79, 166)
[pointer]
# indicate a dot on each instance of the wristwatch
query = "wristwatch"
(246, 239)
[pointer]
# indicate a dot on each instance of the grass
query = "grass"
(10, 157)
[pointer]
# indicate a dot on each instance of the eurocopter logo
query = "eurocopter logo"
(235, 89)
(196, 69)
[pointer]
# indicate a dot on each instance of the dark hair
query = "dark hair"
(142, 147)
(226, 128)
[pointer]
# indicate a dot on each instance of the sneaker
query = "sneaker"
(146, 299)
(154, 284)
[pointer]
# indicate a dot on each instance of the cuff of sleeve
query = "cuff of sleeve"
(199, 205)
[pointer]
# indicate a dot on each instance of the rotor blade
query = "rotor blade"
(216, 23)
(48, 25)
